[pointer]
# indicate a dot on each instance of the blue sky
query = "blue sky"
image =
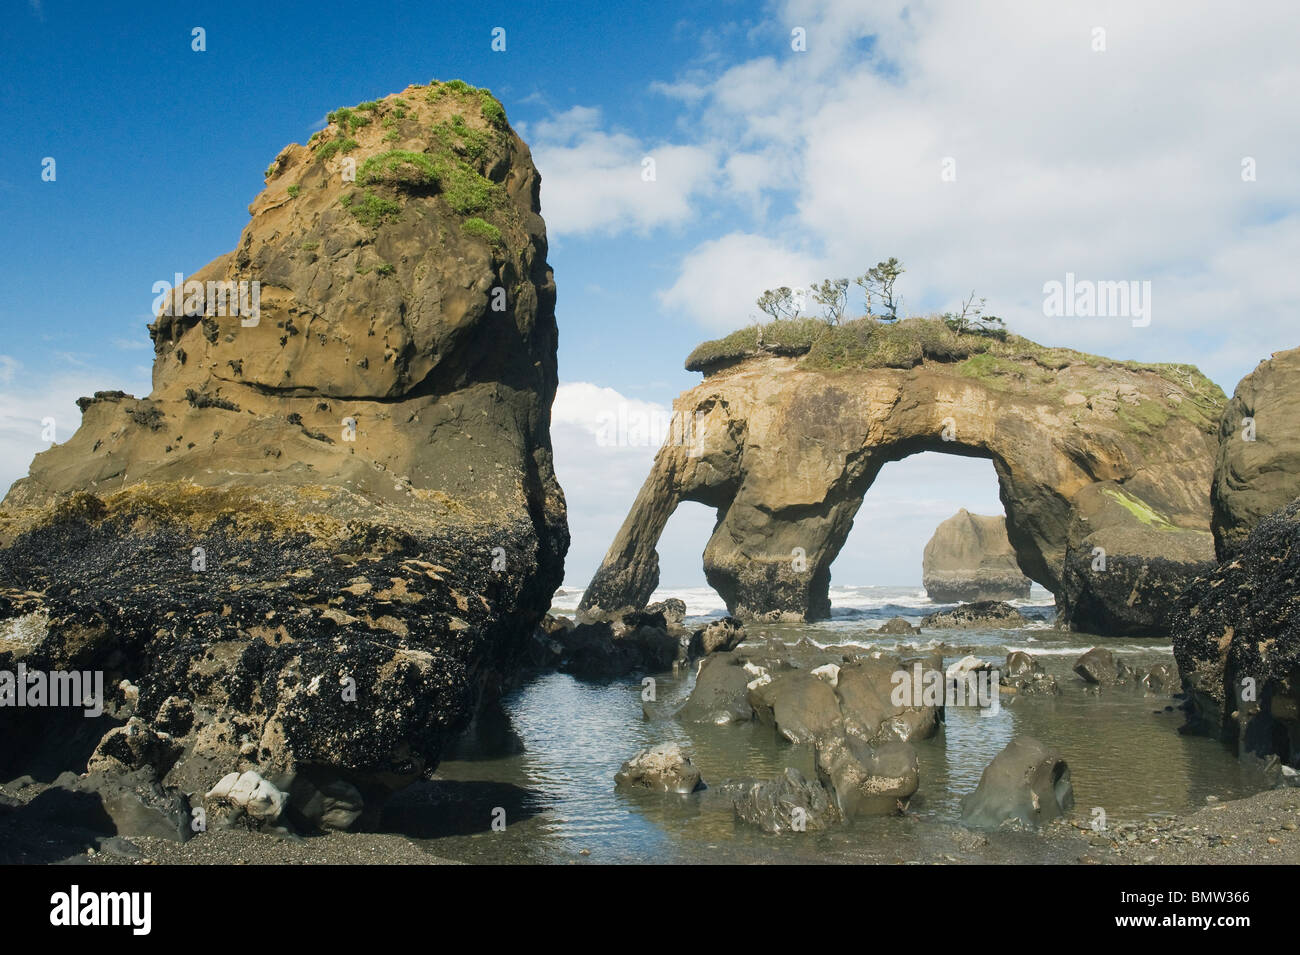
(774, 166)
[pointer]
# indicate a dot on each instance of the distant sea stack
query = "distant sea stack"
(323, 538)
(1104, 467)
(970, 558)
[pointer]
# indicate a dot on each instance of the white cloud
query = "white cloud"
(1117, 165)
(721, 278)
(600, 465)
(1122, 164)
(593, 181)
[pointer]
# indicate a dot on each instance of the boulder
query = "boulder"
(971, 681)
(802, 707)
(673, 610)
(249, 793)
(969, 558)
(610, 651)
(131, 805)
(984, 614)
(1020, 666)
(720, 635)
(663, 768)
(1237, 644)
(333, 524)
(866, 689)
(1027, 677)
(1257, 470)
(1161, 678)
(1026, 785)
(896, 625)
(1100, 667)
(866, 780)
(721, 692)
(325, 803)
(788, 803)
(135, 745)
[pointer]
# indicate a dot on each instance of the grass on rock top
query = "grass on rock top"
(999, 360)
(458, 146)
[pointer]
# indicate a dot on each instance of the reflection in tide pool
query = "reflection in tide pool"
(557, 788)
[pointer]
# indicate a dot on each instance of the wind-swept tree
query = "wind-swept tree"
(971, 319)
(878, 282)
(832, 295)
(779, 303)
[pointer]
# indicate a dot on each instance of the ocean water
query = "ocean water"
(548, 772)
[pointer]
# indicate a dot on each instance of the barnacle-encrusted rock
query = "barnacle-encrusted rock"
(329, 530)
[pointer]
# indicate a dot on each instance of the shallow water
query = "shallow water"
(558, 797)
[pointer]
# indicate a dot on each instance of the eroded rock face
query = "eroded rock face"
(785, 448)
(1126, 563)
(1237, 643)
(329, 530)
(1257, 471)
(970, 558)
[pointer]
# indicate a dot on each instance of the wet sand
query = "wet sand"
(1258, 830)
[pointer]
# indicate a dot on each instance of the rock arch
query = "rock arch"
(1087, 452)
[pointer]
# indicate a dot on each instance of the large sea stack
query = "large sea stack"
(321, 540)
(1103, 466)
(970, 558)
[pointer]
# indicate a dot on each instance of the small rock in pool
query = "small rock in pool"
(664, 768)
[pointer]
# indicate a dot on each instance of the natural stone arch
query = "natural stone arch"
(786, 451)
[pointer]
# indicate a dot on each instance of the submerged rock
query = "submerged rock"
(896, 625)
(788, 803)
(1027, 676)
(993, 614)
(721, 692)
(1100, 667)
(969, 558)
(867, 780)
(663, 768)
(1026, 784)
